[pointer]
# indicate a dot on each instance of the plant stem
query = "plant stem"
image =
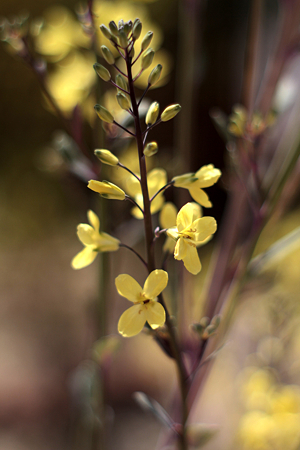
(149, 235)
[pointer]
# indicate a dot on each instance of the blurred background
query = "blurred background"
(50, 315)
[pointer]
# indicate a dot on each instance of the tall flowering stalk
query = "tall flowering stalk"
(145, 190)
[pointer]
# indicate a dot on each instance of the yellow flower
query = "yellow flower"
(191, 231)
(194, 182)
(94, 241)
(107, 189)
(145, 308)
(157, 178)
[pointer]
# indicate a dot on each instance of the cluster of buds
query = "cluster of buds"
(240, 124)
(206, 327)
(12, 33)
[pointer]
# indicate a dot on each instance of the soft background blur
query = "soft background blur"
(48, 312)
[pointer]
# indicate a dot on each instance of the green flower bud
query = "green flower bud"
(107, 54)
(121, 24)
(104, 114)
(105, 31)
(128, 27)
(120, 81)
(170, 112)
(123, 39)
(155, 75)
(137, 29)
(151, 149)
(215, 321)
(147, 58)
(113, 28)
(152, 113)
(102, 72)
(123, 101)
(106, 157)
(146, 40)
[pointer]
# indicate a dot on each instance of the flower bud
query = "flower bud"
(146, 40)
(215, 321)
(123, 101)
(123, 39)
(137, 29)
(170, 112)
(106, 157)
(121, 24)
(151, 149)
(104, 114)
(107, 54)
(155, 75)
(152, 113)
(102, 72)
(128, 27)
(121, 82)
(209, 331)
(107, 189)
(147, 58)
(113, 28)
(105, 31)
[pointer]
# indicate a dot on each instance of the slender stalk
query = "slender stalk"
(149, 235)
(136, 253)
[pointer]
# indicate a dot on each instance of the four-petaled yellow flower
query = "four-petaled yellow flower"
(156, 178)
(190, 232)
(146, 307)
(195, 182)
(94, 242)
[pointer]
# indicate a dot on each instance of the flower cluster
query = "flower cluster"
(186, 230)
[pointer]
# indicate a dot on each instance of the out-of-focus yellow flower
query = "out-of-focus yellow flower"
(145, 308)
(60, 34)
(156, 178)
(191, 231)
(94, 242)
(195, 182)
(272, 422)
(107, 189)
(72, 80)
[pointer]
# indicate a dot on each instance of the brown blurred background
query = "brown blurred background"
(47, 311)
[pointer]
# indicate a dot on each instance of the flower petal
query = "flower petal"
(132, 320)
(155, 314)
(84, 258)
(205, 226)
(180, 249)
(185, 216)
(155, 283)
(167, 217)
(86, 234)
(94, 220)
(200, 196)
(128, 288)
(207, 176)
(191, 260)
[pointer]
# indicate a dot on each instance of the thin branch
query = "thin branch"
(127, 197)
(123, 128)
(136, 253)
(143, 95)
(118, 87)
(162, 189)
(128, 170)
